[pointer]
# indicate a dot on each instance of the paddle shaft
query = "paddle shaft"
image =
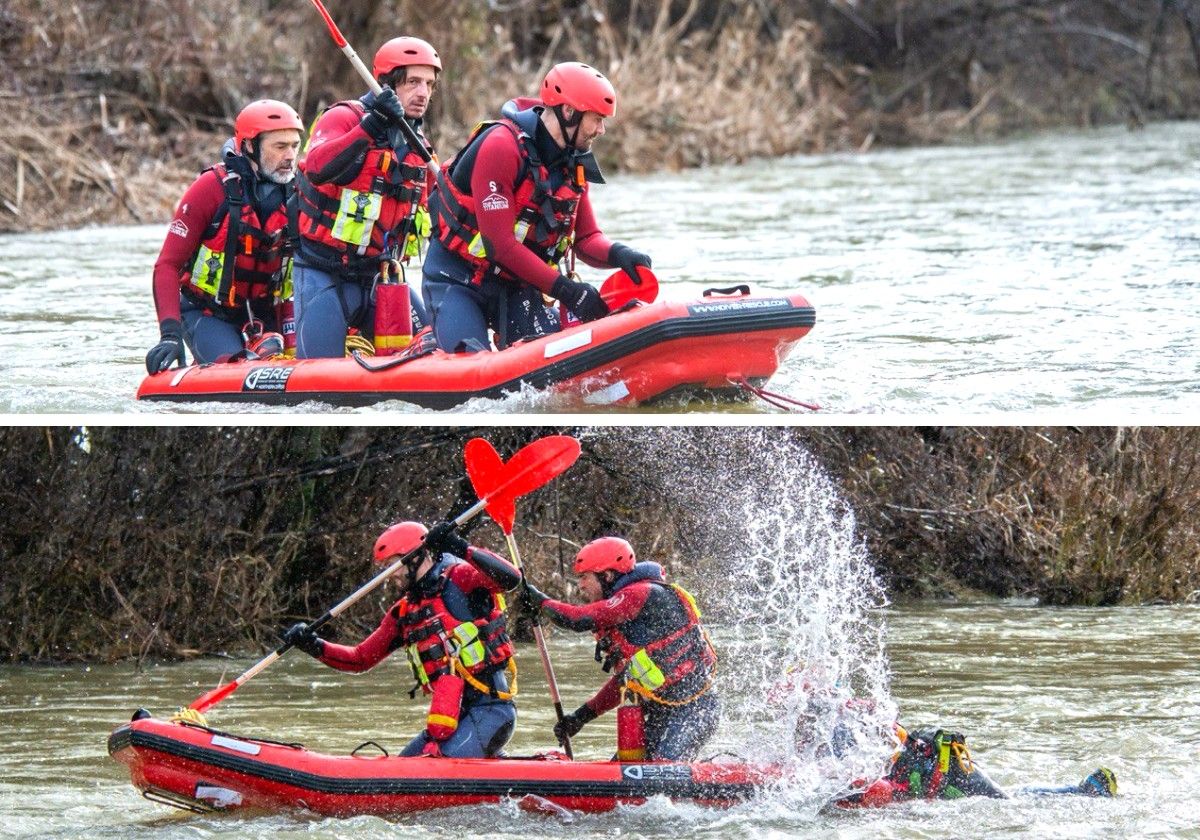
(338, 38)
(210, 700)
(543, 651)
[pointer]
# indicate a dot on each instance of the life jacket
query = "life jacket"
(239, 257)
(653, 666)
(545, 214)
(933, 764)
(379, 212)
(438, 642)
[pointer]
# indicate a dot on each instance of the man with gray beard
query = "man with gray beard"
(222, 262)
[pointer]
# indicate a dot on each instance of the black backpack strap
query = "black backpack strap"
(235, 198)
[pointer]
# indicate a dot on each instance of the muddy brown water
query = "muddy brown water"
(1056, 272)
(1044, 696)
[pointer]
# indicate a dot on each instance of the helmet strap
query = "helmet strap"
(575, 122)
(607, 579)
(254, 153)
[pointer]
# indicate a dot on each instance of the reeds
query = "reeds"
(111, 108)
(1067, 515)
(166, 542)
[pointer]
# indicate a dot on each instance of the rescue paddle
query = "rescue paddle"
(338, 38)
(534, 465)
(619, 289)
(485, 468)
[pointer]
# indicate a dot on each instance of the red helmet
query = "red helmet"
(404, 52)
(264, 115)
(400, 538)
(604, 554)
(582, 87)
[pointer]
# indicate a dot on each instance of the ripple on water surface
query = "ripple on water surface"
(1077, 253)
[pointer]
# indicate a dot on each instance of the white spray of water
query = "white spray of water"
(796, 607)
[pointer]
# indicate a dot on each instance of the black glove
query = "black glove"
(583, 300)
(531, 598)
(388, 107)
(570, 725)
(301, 638)
(168, 349)
(443, 540)
(625, 258)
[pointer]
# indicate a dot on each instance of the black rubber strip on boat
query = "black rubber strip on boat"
(126, 738)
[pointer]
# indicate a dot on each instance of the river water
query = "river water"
(1044, 695)
(1052, 273)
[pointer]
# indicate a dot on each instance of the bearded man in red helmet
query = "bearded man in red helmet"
(649, 637)
(450, 622)
(511, 211)
(221, 263)
(361, 200)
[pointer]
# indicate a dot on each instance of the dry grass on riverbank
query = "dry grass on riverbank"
(114, 132)
(172, 541)
(119, 105)
(1068, 515)
(87, 170)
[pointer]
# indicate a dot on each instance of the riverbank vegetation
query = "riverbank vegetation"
(136, 542)
(111, 108)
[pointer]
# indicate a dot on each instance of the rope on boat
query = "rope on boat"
(771, 398)
(189, 715)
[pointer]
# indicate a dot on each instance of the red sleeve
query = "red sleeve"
(620, 608)
(492, 183)
(366, 654)
(192, 215)
(468, 578)
(591, 245)
(608, 697)
(335, 130)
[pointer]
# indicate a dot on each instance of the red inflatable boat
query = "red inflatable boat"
(649, 351)
(201, 769)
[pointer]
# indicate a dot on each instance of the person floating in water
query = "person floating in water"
(936, 764)
(932, 763)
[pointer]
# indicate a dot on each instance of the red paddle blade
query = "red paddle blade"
(499, 484)
(486, 471)
(619, 288)
(212, 698)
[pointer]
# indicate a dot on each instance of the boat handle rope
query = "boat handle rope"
(395, 361)
(771, 398)
(741, 289)
(354, 752)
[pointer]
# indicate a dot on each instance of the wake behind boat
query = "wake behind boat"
(710, 346)
(201, 769)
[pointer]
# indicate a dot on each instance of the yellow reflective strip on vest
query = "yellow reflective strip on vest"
(476, 249)
(442, 720)
(414, 660)
(356, 215)
(421, 228)
(311, 127)
(644, 672)
(285, 285)
(422, 223)
(471, 651)
(683, 593)
(207, 270)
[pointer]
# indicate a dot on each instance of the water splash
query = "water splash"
(803, 674)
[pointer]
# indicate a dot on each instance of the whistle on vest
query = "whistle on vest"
(393, 310)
